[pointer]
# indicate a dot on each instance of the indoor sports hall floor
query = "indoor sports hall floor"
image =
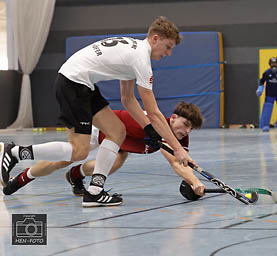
(155, 219)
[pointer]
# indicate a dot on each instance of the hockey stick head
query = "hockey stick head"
(274, 197)
(254, 197)
(263, 191)
(187, 191)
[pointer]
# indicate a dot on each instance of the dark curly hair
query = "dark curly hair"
(191, 112)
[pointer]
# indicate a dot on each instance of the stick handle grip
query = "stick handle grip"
(169, 150)
(166, 148)
(214, 190)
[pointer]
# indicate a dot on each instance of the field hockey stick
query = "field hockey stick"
(261, 191)
(216, 181)
(188, 193)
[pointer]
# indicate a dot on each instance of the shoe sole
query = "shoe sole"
(2, 150)
(67, 178)
(94, 204)
(80, 195)
(7, 193)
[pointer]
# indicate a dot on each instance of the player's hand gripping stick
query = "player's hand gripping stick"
(232, 192)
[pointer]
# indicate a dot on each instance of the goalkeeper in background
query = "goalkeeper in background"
(270, 77)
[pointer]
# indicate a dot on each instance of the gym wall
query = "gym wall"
(246, 26)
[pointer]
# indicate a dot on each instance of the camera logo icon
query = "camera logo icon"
(29, 229)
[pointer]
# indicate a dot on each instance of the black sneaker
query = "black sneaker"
(12, 186)
(77, 184)
(102, 199)
(7, 162)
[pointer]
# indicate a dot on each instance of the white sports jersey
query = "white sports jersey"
(121, 58)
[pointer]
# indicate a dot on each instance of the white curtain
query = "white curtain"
(11, 46)
(3, 36)
(31, 21)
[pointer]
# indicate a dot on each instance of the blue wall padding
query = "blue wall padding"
(191, 74)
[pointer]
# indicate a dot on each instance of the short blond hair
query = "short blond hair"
(164, 28)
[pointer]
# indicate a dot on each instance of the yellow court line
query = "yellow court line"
(270, 221)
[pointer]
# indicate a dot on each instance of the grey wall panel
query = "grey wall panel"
(45, 106)
(242, 35)
(183, 13)
(103, 2)
(249, 35)
(51, 61)
(241, 103)
(241, 55)
(10, 87)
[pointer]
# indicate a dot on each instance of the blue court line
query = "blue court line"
(177, 96)
(186, 66)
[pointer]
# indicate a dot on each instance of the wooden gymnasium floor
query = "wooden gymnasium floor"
(155, 219)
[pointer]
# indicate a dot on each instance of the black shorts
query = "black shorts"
(78, 104)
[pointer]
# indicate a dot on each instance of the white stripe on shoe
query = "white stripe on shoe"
(104, 199)
(109, 199)
(6, 161)
(1, 160)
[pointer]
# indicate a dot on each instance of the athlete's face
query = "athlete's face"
(180, 126)
(161, 47)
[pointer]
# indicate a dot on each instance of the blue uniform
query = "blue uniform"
(270, 77)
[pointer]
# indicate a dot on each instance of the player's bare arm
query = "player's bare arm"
(185, 172)
(130, 102)
(160, 124)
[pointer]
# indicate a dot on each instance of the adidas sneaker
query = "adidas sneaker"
(76, 184)
(102, 199)
(12, 186)
(7, 162)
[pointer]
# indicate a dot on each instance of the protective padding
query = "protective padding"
(266, 114)
(194, 73)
